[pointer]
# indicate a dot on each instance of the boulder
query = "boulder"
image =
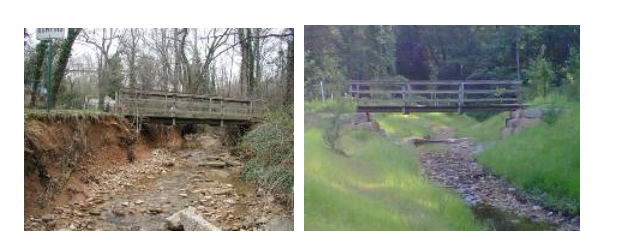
(279, 224)
(189, 220)
(521, 119)
(533, 113)
(47, 218)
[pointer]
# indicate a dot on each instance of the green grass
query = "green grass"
(543, 160)
(65, 115)
(399, 126)
(378, 187)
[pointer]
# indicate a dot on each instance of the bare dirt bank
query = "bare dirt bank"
(64, 153)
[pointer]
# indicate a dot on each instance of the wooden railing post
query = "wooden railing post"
(358, 93)
(403, 97)
(210, 104)
(460, 97)
(222, 107)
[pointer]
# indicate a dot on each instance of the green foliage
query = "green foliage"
(544, 55)
(330, 106)
(481, 115)
(331, 132)
(269, 150)
(427, 124)
(543, 160)
(374, 189)
(540, 75)
(550, 116)
(573, 74)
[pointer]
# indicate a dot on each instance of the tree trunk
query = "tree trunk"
(250, 64)
(37, 70)
(243, 73)
(61, 63)
(257, 53)
(289, 82)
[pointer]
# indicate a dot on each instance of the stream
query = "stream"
(494, 201)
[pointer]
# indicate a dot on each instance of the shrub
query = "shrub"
(268, 149)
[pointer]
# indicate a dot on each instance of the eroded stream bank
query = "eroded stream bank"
(103, 191)
(494, 201)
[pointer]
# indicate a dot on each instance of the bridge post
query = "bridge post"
(165, 104)
(357, 93)
(460, 97)
(221, 102)
(403, 97)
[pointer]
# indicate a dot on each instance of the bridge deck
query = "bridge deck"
(435, 96)
(184, 108)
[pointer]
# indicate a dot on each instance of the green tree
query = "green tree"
(540, 75)
(573, 74)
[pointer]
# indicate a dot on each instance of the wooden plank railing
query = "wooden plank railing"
(139, 103)
(433, 94)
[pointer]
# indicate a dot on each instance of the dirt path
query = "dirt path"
(453, 165)
(141, 195)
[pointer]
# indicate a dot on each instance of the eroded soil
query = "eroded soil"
(142, 194)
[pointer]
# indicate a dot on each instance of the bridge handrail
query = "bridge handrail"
(140, 103)
(443, 94)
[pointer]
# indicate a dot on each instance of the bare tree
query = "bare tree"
(129, 46)
(102, 42)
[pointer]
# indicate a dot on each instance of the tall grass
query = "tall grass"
(543, 160)
(377, 186)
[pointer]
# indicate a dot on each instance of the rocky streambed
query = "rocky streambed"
(142, 195)
(501, 206)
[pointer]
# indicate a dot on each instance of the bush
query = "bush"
(331, 132)
(268, 149)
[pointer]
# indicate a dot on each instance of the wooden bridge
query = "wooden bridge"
(183, 108)
(435, 96)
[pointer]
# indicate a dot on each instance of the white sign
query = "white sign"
(50, 33)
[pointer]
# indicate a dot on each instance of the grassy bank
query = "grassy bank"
(399, 126)
(543, 160)
(377, 186)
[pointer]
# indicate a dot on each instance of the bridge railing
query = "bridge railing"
(436, 94)
(139, 103)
